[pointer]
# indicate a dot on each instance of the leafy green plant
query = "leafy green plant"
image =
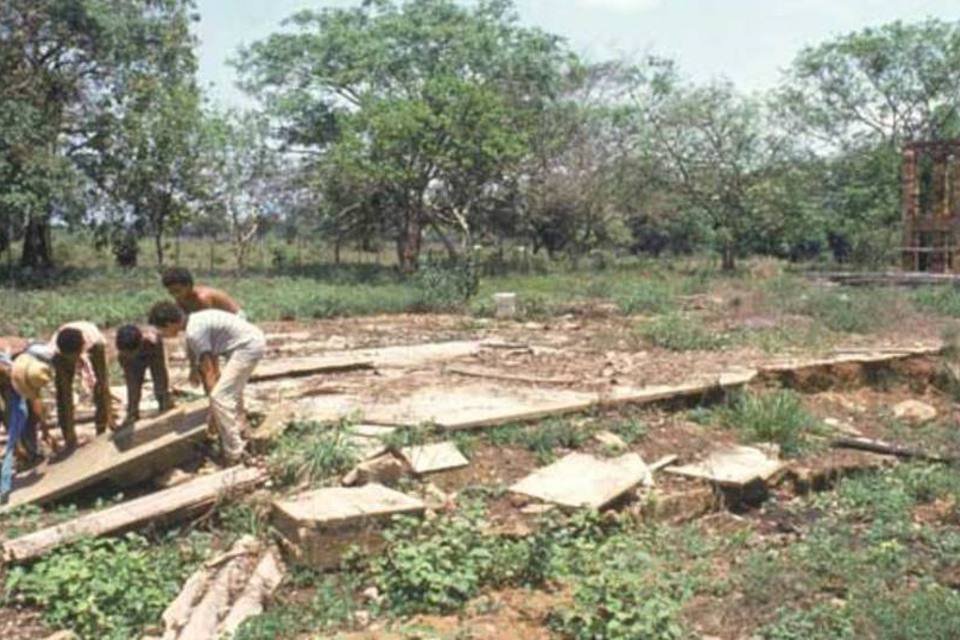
(445, 286)
(645, 296)
(821, 622)
(778, 417)
(332, 607)
(312, 451)
(108, 588)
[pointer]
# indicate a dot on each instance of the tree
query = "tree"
(881, 85)
(68, 67)
(428, 103)
(712, 146)
(241, 172)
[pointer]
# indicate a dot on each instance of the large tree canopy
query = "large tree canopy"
(428, 103)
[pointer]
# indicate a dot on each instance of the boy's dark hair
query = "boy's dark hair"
(165, 313)
(129, 337)
(70, 341)
(177, 275)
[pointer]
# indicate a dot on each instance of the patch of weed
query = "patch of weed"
(821, 622)
(677, 332)
(646, 297)
(778, 417)
(312, 452)
(109, 588)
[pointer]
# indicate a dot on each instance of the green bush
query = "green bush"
(778, 417)
(931, 612)
(103, 589)
(445, 286)
(646, 296)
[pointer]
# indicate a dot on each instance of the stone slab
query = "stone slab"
(581, 480)
(735, 466)
(431, 458)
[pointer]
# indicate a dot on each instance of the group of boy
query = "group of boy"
(215, 328)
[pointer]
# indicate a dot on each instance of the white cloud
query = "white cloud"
(625, 6)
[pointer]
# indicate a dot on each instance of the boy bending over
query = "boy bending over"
(210, 335)
(79, 345)
(139, 349)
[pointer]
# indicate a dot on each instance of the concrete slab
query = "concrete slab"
(431, 458)
(581, 480)
(133, 455)
(477, 405)
(318, 527)
(735, 466)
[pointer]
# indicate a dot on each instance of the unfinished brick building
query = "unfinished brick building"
(931, 206)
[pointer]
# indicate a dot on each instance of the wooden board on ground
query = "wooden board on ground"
(477, 405)
(734, 466)
(430, 458)
(581, 480)
(133, 454)
(160, 506)
(318, 527)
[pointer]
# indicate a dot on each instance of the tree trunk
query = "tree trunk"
(158, 245)
(336, 251)
(37, 252)
(728, 260)
(408, 243)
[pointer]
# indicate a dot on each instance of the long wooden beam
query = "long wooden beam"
(164, 505)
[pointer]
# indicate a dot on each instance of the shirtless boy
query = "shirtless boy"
(196, 297)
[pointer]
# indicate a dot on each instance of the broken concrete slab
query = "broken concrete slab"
(654, 393)
(431, 458)
(127, 456)
(297, 367)
(914, 412)
(610, 440)
(581, 480)
(477, 405)
(385, 469)
(317, 527)
(161, 506)
(734, 466)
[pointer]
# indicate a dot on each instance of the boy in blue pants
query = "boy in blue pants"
(22, 379)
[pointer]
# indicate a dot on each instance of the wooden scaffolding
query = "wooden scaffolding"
(931, 206)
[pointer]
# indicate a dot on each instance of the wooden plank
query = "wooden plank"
(134, 453)
(430, 458)
(734, 466)
(163, 505)
(581, 480)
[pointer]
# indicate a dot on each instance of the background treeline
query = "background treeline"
(398, 126)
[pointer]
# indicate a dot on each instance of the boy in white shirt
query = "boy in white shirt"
(210, 335)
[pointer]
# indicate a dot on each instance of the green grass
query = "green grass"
(311, 452)
(777, 417)
(543, 438)
(677, 332)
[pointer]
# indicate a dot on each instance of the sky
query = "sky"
(746, 41)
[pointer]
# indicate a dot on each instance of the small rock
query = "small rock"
(371, 594)
(842, 426)
(535, 326)
(519, 500)
(385, 469)
(609, 439)
(914, 411)
(63, 635)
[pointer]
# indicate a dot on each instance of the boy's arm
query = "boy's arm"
(98, 358)
(160, 376)
(209, 371)
(133, 371)
(35, 407)
(64, 373)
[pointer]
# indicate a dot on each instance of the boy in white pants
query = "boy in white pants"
(210, 335)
